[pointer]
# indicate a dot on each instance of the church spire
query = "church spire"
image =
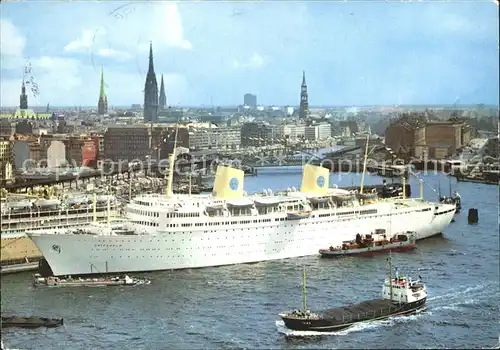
(23, 98)
(102, 92)
(151, 91)
(163, 96)
(151, 68)
(304, 102)
(102, 104)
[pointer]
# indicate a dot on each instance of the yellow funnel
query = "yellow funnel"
(315, 179)
(228, 183)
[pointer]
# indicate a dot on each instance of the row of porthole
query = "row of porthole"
(267, 220)
(173, 240)
(217, 247)
(300, 224)
(173, 256)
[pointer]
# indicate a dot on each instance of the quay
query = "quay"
(476, 180)
(156, 170)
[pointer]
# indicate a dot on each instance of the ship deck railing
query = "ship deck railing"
(36, 222)
(60, 211)
(63, 229)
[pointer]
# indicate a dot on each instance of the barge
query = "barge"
(125, 280)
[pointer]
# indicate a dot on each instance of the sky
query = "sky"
(212, 53)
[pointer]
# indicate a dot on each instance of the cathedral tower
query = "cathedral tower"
(304, 104)
(151, 92)
(102, 104)
(163, 96)
(23, 98)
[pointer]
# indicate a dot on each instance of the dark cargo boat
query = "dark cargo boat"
(372, 243)
(400, 296)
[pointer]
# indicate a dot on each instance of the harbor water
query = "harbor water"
(237, 306)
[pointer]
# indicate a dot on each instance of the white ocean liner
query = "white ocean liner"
(19, 213)
(229, 227)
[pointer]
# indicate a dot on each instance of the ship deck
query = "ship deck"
(366, 309)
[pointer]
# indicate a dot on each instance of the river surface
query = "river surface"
(237, 306)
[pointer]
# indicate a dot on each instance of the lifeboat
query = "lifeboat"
(76, 200)
(105, 198)
(47, 202)
(297, 215)
(20, 205)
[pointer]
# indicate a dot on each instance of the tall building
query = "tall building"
(102, 104)
(23, 98)
(250, 100)
(163, 96)
(151, 92)
(304, 104)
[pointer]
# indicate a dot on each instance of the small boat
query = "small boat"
(87, 282)
(31, 322)
(297, 215)
(451, 199)
(400, 296)
(389, 170)
(372, 243)
(455, 199)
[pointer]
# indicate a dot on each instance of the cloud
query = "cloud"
(255, 61)
(13, 42)
(407, 53)
(173, 34)
(65, 81)
(82, 44)
(11, 46)
(125, 29)
(112, 53)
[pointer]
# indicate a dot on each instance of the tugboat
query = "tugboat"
(400, 296)
(372, 243)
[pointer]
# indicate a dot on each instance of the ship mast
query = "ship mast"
(304, 291)
(171, 164)
(190, 182)
(130, 190)
(364, 165)
(109, 209)
(94, 207)
(389, 259)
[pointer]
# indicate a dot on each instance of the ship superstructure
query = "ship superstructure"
(230, 227)
(49, 211)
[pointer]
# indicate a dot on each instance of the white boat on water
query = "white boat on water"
(19, 213)
(229, 227)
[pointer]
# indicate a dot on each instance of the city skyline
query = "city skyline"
(213, 53)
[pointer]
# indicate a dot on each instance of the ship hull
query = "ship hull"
(216, 245)
(327, 324)
(394, 247)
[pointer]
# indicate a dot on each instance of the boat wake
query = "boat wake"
(4, 347)
(463, 297)
(359, 327)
